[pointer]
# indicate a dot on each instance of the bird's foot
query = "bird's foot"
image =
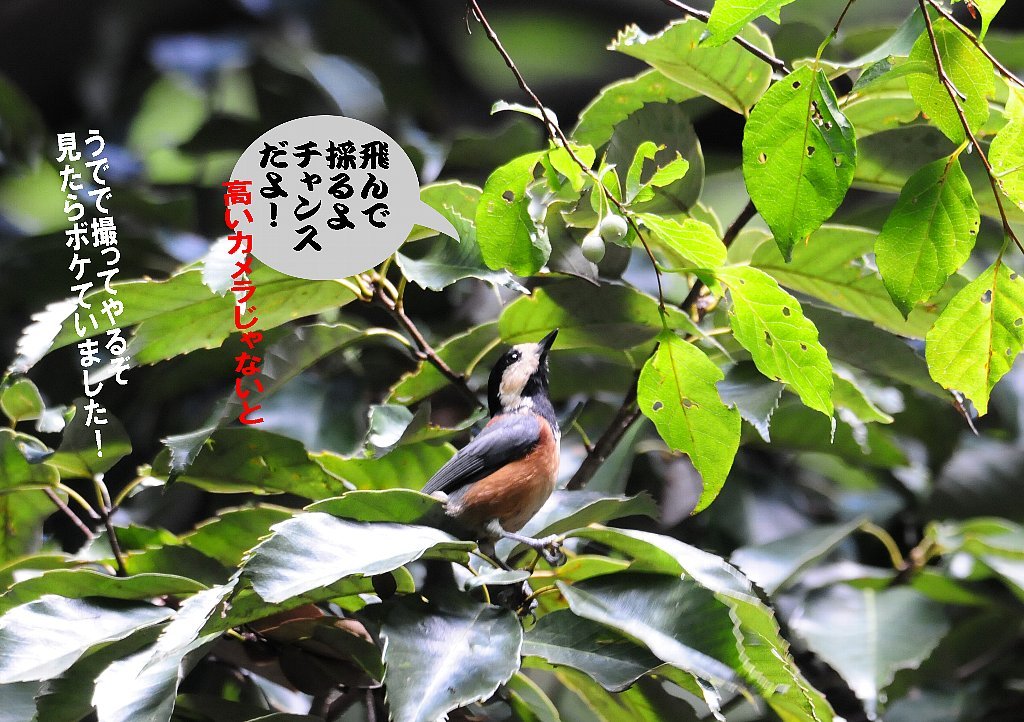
(550, 548)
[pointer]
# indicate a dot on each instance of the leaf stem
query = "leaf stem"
(80, 499)
(952, 93)
(103, 497)
(898, 562)
(69, 513)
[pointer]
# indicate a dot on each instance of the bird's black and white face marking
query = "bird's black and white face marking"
(519, 375)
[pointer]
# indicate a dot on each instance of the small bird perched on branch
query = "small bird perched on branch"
(495, 484)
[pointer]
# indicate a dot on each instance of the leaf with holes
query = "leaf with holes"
(968, 70)
(799, 155)
(729, 75)
(728, 17)
(1007, 150)
(976, 339)
(676, 391)
(783, 342)
(928, 235)
(505, 231)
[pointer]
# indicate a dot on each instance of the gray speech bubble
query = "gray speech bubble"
(331, 197)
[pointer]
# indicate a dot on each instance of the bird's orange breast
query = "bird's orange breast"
(514, 493)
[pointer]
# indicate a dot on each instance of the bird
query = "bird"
(496, 483)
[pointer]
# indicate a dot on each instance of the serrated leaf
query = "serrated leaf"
(294, 559)
(979, 334)
(505, 231)
(690, 240)
(929, 233)
(784, 344)
(644, 151)
(676, 391)
(852, 630)
(41, 639)
(609, 316)
(408, 466)
(403, 506)
(728, 17)
(445, 655)
(616, 102)
(754, 396)
(562, 638)
(834, 266)
(968, 70)
(799, 155)
(728, 75)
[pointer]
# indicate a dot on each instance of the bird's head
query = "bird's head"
(520, 378)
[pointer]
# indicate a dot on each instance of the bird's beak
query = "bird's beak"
(547, 342)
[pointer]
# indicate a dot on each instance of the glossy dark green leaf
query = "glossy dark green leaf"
(462, 353)
(403, 506)
(408, 466)
(445, 655)
(77, 455)
(81, 583)
(227, 536)
(755, 396)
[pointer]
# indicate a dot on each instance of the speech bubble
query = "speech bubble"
(331, 197)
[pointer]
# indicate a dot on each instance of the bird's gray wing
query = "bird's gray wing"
(502, 441)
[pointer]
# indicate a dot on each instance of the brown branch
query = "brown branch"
(624, 418)
(424, 350)
(952, 92)
(777, 63)
(103, 497)
(965, 31)
(748, 212)
(69, 513)
(559, 139)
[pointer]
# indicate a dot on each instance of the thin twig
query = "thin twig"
(1003, 70)
(69, 513)
(559, 139)
(777, 63)
(624, 418)
(952, 93)
(424, 350)
(103, 497)
(748, 212)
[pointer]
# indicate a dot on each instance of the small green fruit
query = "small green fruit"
(613, 228)
(592, 247)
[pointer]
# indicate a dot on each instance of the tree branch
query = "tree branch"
(777, 63)
(103, 497)
(424, 350)
(69, 513)
(624, 418)
(558, 138)
(952, 92)
(965, 31)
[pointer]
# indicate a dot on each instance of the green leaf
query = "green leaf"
(754, 396)
(868, 635)
(676, 391)
(1007, 157)
(976, 339)
(227, 536)
(443, 656)
(506, 233)
(988, 9)
(21, 517)
(77, 455)
(259, 462)
(729, 75)
(564, 163)
(968, 70)
(80, 583)
(775, 564)
(928, 235)
(15, 468)
(799, 155)
(783, 342)
(528, 700)
(669, 129)
(878, 111)
(438, 262)
(403, 506)
(41, 639)
(833, 266)
(616, 102)
(691, 240)
(607, 317)
(728, 17)
(21, 401)
(477, 344)
(678, 620)
(562, 638)
(294, 559)
(407, 466)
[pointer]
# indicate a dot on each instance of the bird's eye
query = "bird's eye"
(514, 356)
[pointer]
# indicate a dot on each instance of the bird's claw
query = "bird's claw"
(551, 550)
